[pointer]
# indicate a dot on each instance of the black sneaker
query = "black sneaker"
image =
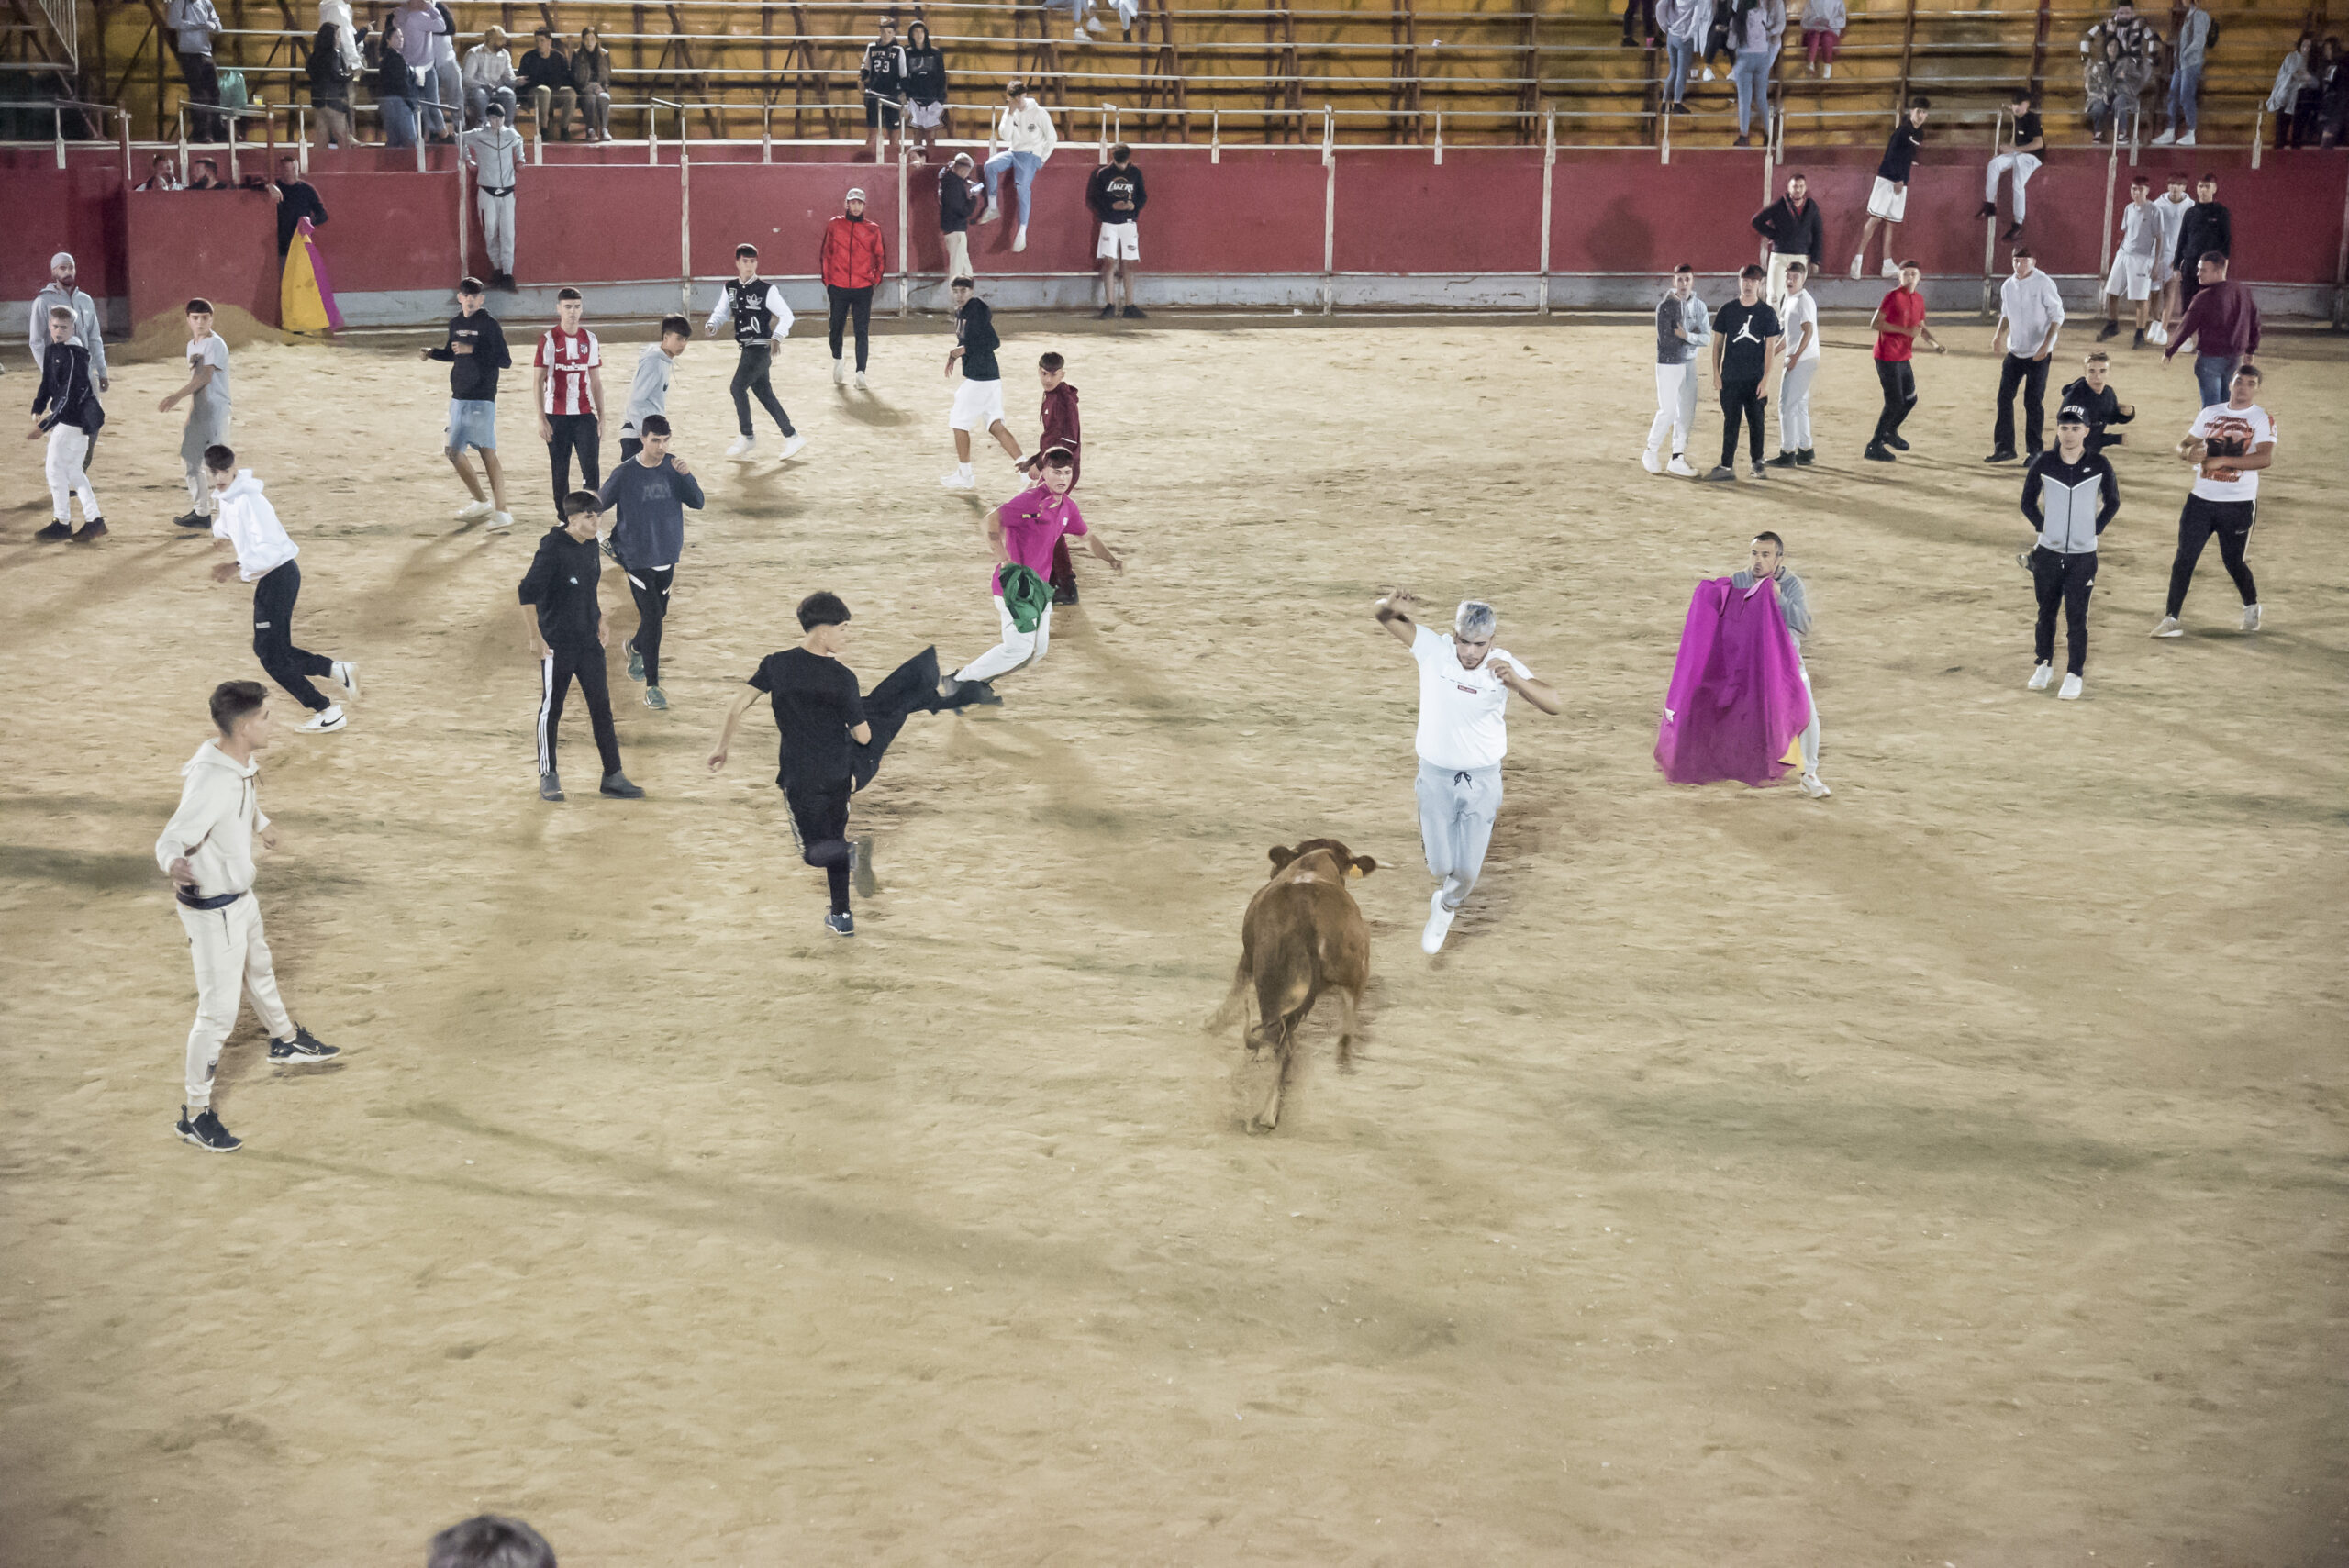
(2107, 332)
(96, 528)
(841, 924)
(54, 532)
(1989, 209)
(1784, 459)
(1803, 457)
(618, 788)
(976, 693)
(549, 785)
(1721, 473)
(1134, 312)
(1108, 313)
(304, 1047)
(860, 867)
(635, 660)
(191, 520)
(2139, 341)
(206, 1132)
(1877, 454)
(2011, 235)
(2002, 455)
(1896, 443)
(1064, 593)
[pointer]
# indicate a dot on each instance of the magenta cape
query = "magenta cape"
(1737, 699)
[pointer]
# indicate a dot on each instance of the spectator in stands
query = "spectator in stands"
(419, 23)
(193, 25)
(2030, 314)
(545, 74)
(296, 199)
(1685, 23)
(1718, 16)
(924, 89)
(591, 76)
(2118, 57)
(488, 1541)
(489, 78)
(2333, 113)
(448, 74)
(2294, 76)
(1639, 23)
(2223, 322)
(2018, 153)
(204, 175)
(395, 85)
(163, 176)
(851, 262)
(1027, 138)
(336, 61)
(1791, 232)
(2186, 75)
(1116, 195)
(2207, 226)
(1823, 22)
(1756, 30)
(882, 75)
(1889, 198)
(958, 200)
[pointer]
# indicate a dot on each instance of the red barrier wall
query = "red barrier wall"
(76, 209)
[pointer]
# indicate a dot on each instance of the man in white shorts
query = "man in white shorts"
(2133, 261)
(1116, 195)
(978, 402)
(1888, 200)
(1464, 682)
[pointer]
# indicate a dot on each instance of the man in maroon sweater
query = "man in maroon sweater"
(1060, 430)
(2223, 322)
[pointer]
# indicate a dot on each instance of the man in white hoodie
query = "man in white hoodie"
(1027, 138)
(265, 558)
(207, 852)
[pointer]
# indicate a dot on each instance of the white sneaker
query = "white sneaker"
(2070, 690)
(1020, 237)
(2251, 618)
(1649, 461)
(2165, 138)
(346, 675)
(840, 373)
(859, 381)
(1679, 465)
(2040, 678)
(474, 509)
(2168, 627)
(791, 447)
(500, 520)
(1815, 787)
(320, 723)
(2186, 140)
(1857, 262)
(961, 479)
(1093, 24)
(1891, 268)
(1438, 923)
(1708, 73)
(743, 447)
(993, 212)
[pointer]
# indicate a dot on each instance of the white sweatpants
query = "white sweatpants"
(1774, 289)
(1016, 649)
(2024, 165)
(232, 961)
(1675, 407)
(1810, 730)
(1794, 405)
(497, 230)
(1456, 810)
(69, 445)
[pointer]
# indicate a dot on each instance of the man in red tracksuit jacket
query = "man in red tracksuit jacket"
(851, 262)
(1060, 430)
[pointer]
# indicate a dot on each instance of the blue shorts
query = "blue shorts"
(472, 422)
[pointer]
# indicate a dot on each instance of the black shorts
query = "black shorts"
(880, 111)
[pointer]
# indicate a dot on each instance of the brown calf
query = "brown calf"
(1303, 934)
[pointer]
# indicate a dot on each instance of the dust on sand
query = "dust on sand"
(1949, 1172)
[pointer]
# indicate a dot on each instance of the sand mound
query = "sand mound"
(164, 336)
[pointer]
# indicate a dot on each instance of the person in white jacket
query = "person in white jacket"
(1027, 138)
(207, 852)
(489, 77)
(244, 519)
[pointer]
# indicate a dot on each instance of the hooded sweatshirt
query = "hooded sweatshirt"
(219, 813)
(1060, 418)
(85, 324)
(250, 522)
(1025, 127)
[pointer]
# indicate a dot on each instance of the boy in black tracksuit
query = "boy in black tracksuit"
(2069, 494)
(65, 409)
(2103, 406)
(568, 632)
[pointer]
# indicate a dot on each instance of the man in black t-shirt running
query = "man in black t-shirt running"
(832, 739)
(1746, 334)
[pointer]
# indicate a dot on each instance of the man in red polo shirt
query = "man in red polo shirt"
(851, 262)
(1899, 321)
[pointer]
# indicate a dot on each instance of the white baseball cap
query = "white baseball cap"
(855, 194)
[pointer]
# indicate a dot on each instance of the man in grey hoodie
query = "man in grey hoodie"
(207, 852)
(86, 329)
(1767, 559)
(1682, 327)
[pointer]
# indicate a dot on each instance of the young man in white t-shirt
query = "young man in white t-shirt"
(569, 370)
(2228, 444)
(1798, 319)
(1464, 682)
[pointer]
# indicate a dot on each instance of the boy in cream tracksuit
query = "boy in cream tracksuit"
(207, 852)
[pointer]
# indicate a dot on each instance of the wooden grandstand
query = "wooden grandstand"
(1404, 72)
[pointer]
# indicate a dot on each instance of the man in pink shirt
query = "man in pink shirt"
(1023, 532)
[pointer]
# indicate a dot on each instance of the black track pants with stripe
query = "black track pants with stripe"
(556, 672)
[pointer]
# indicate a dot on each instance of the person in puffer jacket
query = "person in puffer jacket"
(852, 260)
(2069, 494)
(207, 852)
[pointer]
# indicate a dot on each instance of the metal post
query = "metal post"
(2111, 177)
(905, 250)
(123, 122)
(1990, 224)
(766, 133)
(58, 116)
(538, 142)
(419, 151)
(1215, 136)
(1439, 137)
(183, 143)
(685, 218)
(1549, 167)
(464, 220)
(2258, 128)
(302, 137)
(235, 175)
(1664, 142)
(1329, 209)
(652, 131)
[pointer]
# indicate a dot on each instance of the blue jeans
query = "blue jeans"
(1683, 53)
(2185, 86)
(1751, 75)
(477, 104)
(2215, 374)
(1023, 167)
(399, 121)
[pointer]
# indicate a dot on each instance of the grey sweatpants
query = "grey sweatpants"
(1456, 810)
(205, 428)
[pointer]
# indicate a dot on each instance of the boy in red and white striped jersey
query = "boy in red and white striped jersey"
(569, 370)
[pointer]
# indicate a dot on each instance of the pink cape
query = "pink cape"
(1737, 699)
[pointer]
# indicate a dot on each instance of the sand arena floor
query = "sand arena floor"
(1948, 1172)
